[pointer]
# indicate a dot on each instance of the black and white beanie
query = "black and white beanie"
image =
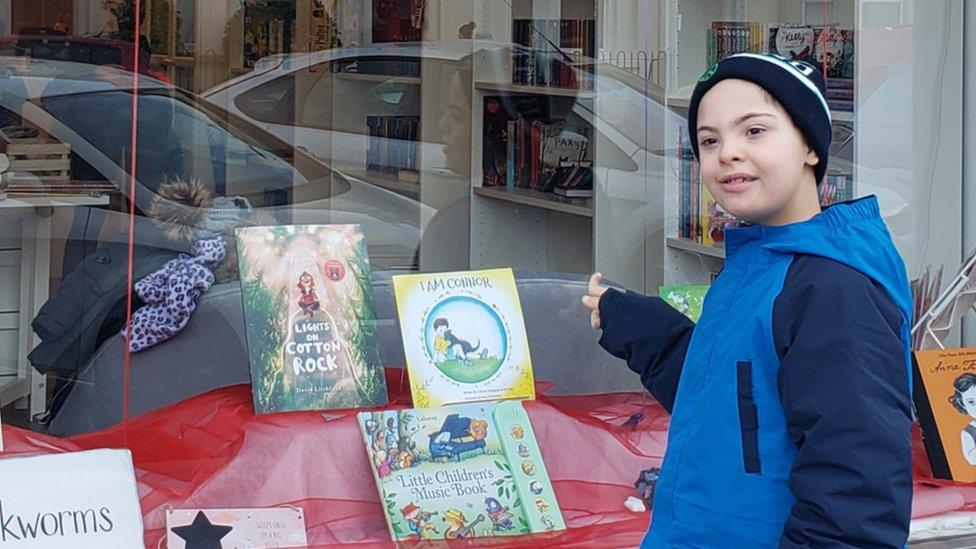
(796, 85)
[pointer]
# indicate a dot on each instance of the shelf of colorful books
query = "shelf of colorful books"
(538, 90)
(696, 247)
(538, 199)
(390, 78)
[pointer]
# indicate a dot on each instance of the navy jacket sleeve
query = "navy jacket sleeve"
(650, 335)
(844, 387)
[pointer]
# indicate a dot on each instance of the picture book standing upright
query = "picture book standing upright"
(464, 471)
(463, 337)
(309, 318)
(945, 403)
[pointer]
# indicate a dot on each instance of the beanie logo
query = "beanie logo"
(805, 68)
(708, 74)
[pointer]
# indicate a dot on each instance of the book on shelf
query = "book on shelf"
(310, 325)
(794, 42)
(689, 189)
(829, 48)
(835, 188)
(725, 38)
(393, 146)
(397, 21)
(462, 471)
(506, 139)
(551, 52)
(267, 30)
(574, 179)
(714, 219)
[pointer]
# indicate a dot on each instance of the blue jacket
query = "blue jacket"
(790, 400)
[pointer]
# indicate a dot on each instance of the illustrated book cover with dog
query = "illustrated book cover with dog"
(945, 403)
(309, 318)
(463, 337)
(462, 471)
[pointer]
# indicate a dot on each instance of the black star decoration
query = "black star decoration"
(202, 534)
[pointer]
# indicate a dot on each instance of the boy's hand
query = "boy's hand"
(592, 299)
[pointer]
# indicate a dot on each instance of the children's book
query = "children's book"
(714, 219)
(688, 300)
(463, 471)
(309, 318)
(945, 403)
(463, 337)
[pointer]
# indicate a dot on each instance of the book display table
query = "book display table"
(212, 451)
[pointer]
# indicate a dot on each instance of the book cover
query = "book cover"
(945, 403)
(793, 42)
(463, 337)
(464, 471)
(495, 143)
(687, 300)
(714, 219)
(309, 320)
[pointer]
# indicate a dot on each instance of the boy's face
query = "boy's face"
(754, 160)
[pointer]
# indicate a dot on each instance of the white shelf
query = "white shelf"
(54, 201)
(538, 90)
(547, 201)
(390, 182)
(842, 116)
(413, 80)
(695, 247)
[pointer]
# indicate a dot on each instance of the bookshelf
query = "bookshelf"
(536, 199)
(511, 225)
(516, 224)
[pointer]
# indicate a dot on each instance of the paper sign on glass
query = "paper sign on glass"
(463, 337)
(235, 528)
(79, 499)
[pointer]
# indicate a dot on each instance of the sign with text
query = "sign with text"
(235, 528)
(78, 499)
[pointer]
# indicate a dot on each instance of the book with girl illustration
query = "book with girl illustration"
(463, 337)
(309, 318)
(463, 471)
(945, 403)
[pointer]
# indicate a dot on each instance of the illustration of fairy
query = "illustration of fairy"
(308, 301)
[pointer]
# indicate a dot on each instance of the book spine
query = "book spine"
(931, 437)
(512, 147)
(523, 455)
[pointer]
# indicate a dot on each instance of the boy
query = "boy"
(790, 399)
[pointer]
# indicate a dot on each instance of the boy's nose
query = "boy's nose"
(730, 151)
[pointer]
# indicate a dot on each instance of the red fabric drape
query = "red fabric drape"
(213, 451)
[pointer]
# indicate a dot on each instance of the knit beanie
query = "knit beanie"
(796, 85)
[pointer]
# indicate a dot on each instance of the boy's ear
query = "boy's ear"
(811, 159)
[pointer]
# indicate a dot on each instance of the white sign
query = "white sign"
(235, 528)
(79, 499)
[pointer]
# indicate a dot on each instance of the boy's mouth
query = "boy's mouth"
(736, 182)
